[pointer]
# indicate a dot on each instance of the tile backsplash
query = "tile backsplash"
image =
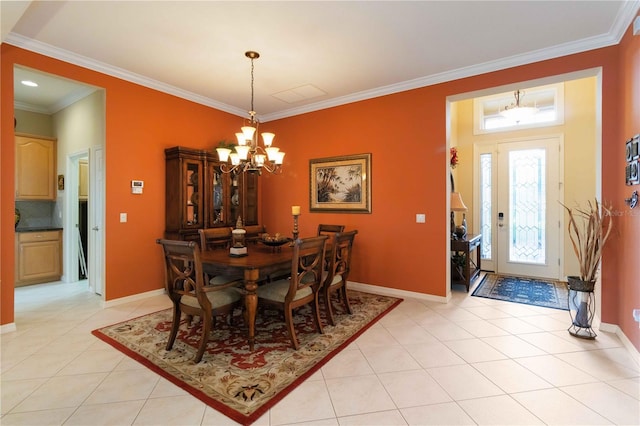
(36, 214)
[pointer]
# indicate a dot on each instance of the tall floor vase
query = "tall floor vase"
(582, 309)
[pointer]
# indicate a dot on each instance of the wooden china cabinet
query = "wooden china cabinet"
(199, 195)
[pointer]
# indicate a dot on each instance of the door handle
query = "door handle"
(500, 219)
(95, 228)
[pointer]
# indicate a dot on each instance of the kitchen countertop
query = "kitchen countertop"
(39, 229)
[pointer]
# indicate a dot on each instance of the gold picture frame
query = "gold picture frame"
(340, 184)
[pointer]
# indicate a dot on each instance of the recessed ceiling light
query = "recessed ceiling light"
(29, 83)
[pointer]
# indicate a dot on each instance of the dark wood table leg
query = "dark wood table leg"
(251, 302)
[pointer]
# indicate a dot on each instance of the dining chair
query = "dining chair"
(301, 287)
(215, 239)
(329, 230)
(337, 272)
(186, 286)
(254, 232)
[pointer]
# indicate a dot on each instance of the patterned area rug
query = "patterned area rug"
(243, 385)
(530, 291)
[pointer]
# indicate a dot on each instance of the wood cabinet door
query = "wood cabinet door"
(250, 198)
(35, 168)
(39, 259)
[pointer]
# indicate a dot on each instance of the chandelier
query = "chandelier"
(517, 113)
(248, 155)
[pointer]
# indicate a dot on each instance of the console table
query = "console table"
(463, 268)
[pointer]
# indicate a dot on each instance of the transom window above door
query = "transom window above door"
(548, 102)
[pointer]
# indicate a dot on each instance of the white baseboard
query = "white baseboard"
(612, 328)
(393, 292)
(132, 298)
(8, 328)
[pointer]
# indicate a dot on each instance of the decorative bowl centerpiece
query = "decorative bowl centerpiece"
(276, 240)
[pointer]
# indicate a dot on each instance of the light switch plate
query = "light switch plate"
(421, 218)
(123, 217)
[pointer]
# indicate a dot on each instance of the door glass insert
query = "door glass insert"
(527, 206)
(485, 205)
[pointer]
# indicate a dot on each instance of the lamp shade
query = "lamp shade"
(457, 205)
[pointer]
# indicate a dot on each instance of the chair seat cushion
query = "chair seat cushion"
(223, 279)
(277, 291)
(336, 278)
(219, 298)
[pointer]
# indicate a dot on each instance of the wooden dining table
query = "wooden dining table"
(260, 262)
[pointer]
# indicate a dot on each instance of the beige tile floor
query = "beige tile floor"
(471, 361)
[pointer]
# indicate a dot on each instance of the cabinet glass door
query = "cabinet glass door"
(193, 183)
(236, 205)
(217, 200)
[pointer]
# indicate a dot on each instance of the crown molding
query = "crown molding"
(486, 67)
(71, 99)
(61, 104)
(82, 61)
(625, 16)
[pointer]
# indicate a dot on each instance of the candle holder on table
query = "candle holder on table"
(295, 228)
(295, 212)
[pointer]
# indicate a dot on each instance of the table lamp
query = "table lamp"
(457, 205)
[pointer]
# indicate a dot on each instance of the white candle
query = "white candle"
(295, 210)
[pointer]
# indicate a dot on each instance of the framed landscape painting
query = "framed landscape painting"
(341, 184)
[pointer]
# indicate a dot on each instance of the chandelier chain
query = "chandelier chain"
(252, 112)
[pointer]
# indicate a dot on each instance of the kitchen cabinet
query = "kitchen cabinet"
(35, 168)
(83, 175)
(198, 195)
(38, 257)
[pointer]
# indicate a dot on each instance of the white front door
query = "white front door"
(519, 207)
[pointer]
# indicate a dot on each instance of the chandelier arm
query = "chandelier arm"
(275, 169)
(224, 168)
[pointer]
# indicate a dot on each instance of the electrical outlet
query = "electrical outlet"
(123, 217)
(421, 218)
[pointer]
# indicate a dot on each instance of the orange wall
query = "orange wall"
(391, 249)
(140, 124)
(617, 307)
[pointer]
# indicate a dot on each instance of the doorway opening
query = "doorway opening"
(483, 156)
(74, 113)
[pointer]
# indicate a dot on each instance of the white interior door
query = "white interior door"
(528, 209)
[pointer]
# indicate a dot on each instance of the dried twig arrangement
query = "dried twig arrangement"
(589, 229)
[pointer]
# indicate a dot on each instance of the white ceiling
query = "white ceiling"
(314, 54)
